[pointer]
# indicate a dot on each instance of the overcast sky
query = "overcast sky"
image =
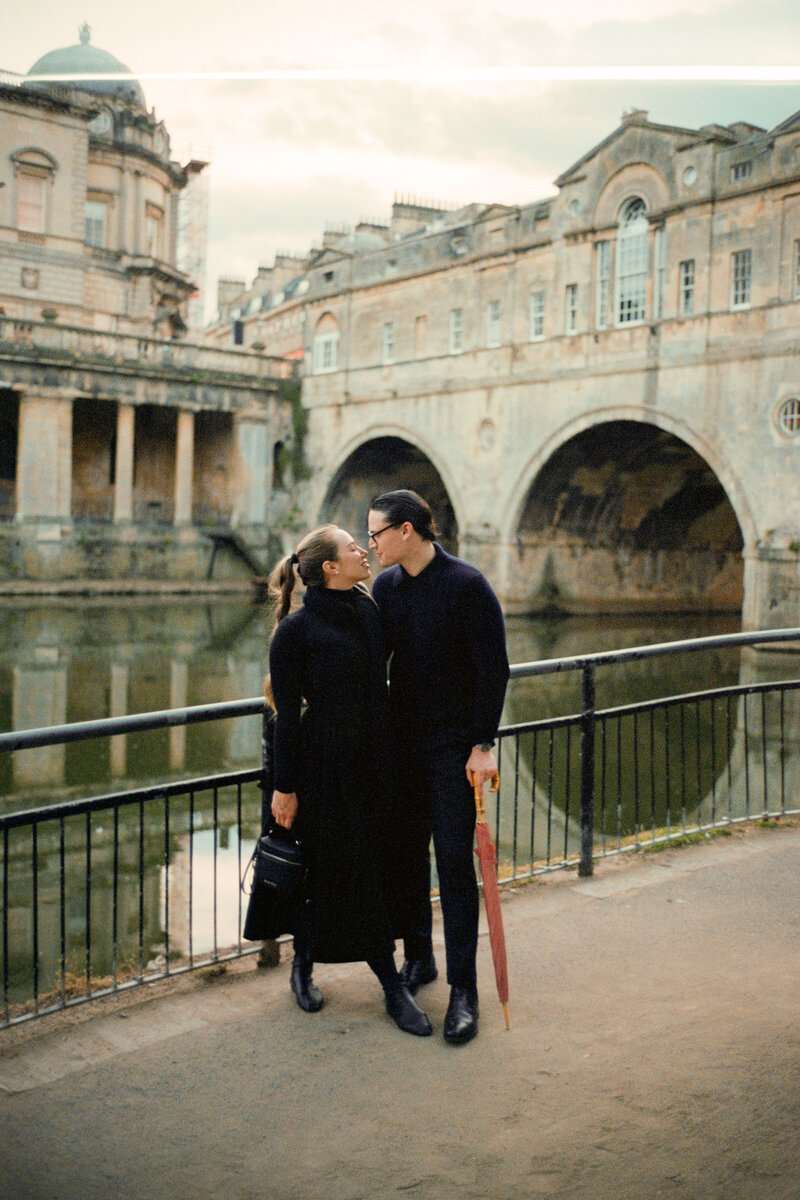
(290, 157)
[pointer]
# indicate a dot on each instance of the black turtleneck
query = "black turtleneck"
(329, 655)
(445, 631)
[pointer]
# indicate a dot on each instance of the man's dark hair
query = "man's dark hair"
(405, 505)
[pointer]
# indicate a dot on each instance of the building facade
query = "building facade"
(122, 444)
(599, 391)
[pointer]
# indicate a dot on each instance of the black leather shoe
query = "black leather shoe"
(306, 993)
(416, 972)
(461, 1019)
(405, 1012)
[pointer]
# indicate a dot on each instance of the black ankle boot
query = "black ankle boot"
(404, 1010)
(308, 996)
(461, 1018)
(415, 972)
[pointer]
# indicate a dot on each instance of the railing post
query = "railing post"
(586, 866)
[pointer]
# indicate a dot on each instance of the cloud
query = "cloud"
(287, 157)
(250, 36)
(725, 33)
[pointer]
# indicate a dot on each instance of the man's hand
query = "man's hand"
(481, 766)
(284, 808)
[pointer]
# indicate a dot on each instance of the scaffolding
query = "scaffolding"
(193, 238)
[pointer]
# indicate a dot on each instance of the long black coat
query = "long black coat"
(337, 756)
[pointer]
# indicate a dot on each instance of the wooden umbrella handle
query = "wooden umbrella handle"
(477, 788)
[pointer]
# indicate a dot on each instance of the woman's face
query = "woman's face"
(352, 565)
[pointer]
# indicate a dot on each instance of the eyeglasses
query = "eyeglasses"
(373, 537)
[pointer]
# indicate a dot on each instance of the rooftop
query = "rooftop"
(85, 59)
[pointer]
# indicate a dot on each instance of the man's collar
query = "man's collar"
(436, 562)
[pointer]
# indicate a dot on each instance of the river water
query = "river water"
(64, 661)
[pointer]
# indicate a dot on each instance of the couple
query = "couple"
(366, 777)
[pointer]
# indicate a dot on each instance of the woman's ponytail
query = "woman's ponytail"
(281, 586)
(316, 548)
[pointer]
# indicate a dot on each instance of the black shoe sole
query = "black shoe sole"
(460, 1039)
(421, 1032)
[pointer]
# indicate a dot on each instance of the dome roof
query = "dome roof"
(85, 59)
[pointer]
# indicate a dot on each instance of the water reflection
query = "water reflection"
(155, 880)
(177, 878)
(550, 695)
(63, 663)
(655, 771)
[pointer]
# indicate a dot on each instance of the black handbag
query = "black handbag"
(279, 863)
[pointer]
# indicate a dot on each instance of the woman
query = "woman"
(331, 764)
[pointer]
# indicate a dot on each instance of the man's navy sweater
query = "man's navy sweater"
(445, 631)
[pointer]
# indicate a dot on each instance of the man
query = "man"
(448, 674)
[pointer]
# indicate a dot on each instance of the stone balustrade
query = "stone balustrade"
(65, 342)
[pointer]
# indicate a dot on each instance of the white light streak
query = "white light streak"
(681, 73)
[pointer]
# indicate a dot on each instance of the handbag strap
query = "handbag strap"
(250, 864)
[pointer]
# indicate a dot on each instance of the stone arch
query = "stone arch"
(634, 179)
(32, 158)
(379, 461)
(616, 513)
(327, 324)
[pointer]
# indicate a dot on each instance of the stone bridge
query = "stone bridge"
(636, 450)
(652, 486)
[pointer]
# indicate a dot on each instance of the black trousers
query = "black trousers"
(438, 803)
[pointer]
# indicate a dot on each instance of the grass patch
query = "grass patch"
(212, 974)
(688, 839)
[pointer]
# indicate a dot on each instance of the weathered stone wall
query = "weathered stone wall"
(104, 485)
(49, 551)
(218, 470)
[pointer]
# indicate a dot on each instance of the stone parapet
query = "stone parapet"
(43, 342)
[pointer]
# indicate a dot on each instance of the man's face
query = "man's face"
(386, 540)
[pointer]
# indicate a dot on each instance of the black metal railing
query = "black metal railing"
(109, 866)
(653, 770)
(110, 892)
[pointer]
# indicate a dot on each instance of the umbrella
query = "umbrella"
(487, 857)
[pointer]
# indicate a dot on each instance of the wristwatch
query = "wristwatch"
(486, 746)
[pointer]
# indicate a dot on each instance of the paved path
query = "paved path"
(654, 1052)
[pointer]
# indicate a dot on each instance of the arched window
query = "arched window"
(34, 171)
(632, 254)
(326, 345)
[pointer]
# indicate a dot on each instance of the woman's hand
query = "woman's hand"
(284, 808)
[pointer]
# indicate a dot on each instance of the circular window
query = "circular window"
(690, 176)
(789, 417)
